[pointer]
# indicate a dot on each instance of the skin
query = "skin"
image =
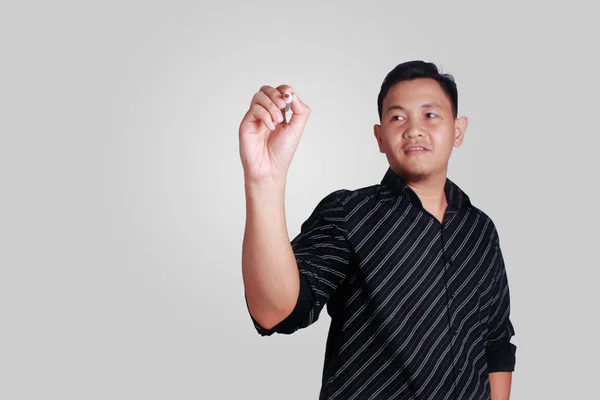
(500, 383)
(419, 113)
(267, 146)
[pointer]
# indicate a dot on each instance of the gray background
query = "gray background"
(122, 202)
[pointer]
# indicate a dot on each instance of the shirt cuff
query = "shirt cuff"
(501, 356)
(295, 319)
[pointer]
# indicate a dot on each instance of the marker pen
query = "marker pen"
(287, 97)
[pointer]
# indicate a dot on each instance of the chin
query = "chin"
(416, 176)
(414, 173)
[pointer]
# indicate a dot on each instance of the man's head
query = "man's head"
(418, 107)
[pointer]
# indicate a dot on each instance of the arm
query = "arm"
(321, 256)
(269, 269)
(500, 352)
(267, 144)
(500, 383)
(286, 284)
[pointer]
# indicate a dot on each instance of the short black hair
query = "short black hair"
(418, 69)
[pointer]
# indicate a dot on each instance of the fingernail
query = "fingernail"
(278, 117)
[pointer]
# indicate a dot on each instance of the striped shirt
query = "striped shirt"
(419, 309)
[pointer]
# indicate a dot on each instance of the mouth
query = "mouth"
(415, 149)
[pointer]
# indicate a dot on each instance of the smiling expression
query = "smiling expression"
(418, 130)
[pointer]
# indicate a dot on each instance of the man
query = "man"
(412, 273)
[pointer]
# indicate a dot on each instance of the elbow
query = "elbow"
(267, 323)
(284, 315)
(271, 318)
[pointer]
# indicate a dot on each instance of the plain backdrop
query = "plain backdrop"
(122, 205)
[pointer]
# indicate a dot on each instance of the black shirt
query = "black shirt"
(419, 309)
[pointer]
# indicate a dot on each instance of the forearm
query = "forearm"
(500, 384)
(269, 268)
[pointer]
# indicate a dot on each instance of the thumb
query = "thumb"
(300, 115)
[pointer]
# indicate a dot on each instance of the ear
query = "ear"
(460, 127)
(377, 133)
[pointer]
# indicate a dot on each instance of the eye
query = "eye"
(397, 116)
(431, 115)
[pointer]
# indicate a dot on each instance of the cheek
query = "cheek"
(389, 140)
(444, 137)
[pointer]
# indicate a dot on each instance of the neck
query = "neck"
(430, 191)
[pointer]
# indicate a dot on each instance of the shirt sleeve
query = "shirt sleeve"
(500, 352)
(323, 256)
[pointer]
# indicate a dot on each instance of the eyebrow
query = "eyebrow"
(426, 105)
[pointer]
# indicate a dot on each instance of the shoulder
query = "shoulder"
(487, 220)
(348, 198)
(481, 216)
(482, 220)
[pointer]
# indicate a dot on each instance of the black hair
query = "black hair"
(418, 69)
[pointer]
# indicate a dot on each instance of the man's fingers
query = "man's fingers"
(300, 114)
(269, 106)
(260, 113)
(275, 96)
(298, 106)
(267, 103)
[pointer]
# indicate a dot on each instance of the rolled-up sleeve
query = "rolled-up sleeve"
(323, 255)
(500, 352)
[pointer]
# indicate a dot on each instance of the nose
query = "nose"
(413, 130)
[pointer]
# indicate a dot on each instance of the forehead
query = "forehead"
(416, 92)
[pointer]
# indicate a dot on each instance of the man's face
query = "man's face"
(417, 113)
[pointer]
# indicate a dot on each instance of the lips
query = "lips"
(415, 148)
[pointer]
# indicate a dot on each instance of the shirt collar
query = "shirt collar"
(457, 199)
